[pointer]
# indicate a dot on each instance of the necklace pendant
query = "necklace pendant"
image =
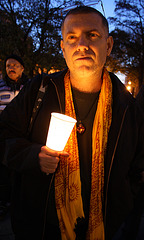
(80, 128)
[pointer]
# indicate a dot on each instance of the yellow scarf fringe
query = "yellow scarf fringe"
(68, 197)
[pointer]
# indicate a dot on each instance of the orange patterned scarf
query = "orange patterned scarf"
(68, 197)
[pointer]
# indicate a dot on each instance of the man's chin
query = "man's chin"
(13, 77)
(83, 70)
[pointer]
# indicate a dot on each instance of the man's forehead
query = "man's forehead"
(90, 20)
(83, 17)
(85, 22)
(11, 60)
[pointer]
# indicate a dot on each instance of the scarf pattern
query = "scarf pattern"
(68, 197)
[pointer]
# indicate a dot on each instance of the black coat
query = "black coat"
(16, 85)
(124, 159)
(10, 88)
(140, 97)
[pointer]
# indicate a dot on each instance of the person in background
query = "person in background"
(10, 86)
(91, 189)
(13, 81)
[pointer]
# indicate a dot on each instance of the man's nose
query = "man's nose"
(11, 67)
(83, 43)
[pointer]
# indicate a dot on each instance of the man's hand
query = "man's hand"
(49, 159)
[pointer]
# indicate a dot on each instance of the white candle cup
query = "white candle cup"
(59, 131)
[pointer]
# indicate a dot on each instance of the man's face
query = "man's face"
(85, 43)
(14, 69)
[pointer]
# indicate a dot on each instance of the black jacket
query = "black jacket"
(124, 159)
(16, 85)
(10, 88)
(140, 97)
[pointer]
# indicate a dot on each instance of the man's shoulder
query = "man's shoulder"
(116, 80)
(119, 89)
(56, 76)
(140, 97)
(3, 85)
(2, 82)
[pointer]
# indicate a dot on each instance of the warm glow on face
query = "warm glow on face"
(14, 69)
(85, 43)
(59, 131)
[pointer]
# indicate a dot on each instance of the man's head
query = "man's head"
(85, 10)
(14, 67)
(86, 42)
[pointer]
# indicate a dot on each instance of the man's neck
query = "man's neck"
(86, 84)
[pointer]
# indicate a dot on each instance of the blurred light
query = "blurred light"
(128, 88)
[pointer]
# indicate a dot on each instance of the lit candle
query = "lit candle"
(59, 131)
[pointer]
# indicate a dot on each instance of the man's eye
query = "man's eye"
(71, 37)
(92, 35)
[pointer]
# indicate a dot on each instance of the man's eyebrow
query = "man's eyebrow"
(94, 30)
(89, 30)
(70, 32)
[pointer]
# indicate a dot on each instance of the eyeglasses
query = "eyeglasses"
(13, 66)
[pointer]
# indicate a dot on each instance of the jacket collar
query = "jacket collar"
(15, 85)
(121, 97)
(57, 80)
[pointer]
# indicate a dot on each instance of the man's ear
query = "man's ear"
(109, 45)
(22, 69)
(62, 47)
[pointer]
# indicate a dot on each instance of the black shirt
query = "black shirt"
(85, 108)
